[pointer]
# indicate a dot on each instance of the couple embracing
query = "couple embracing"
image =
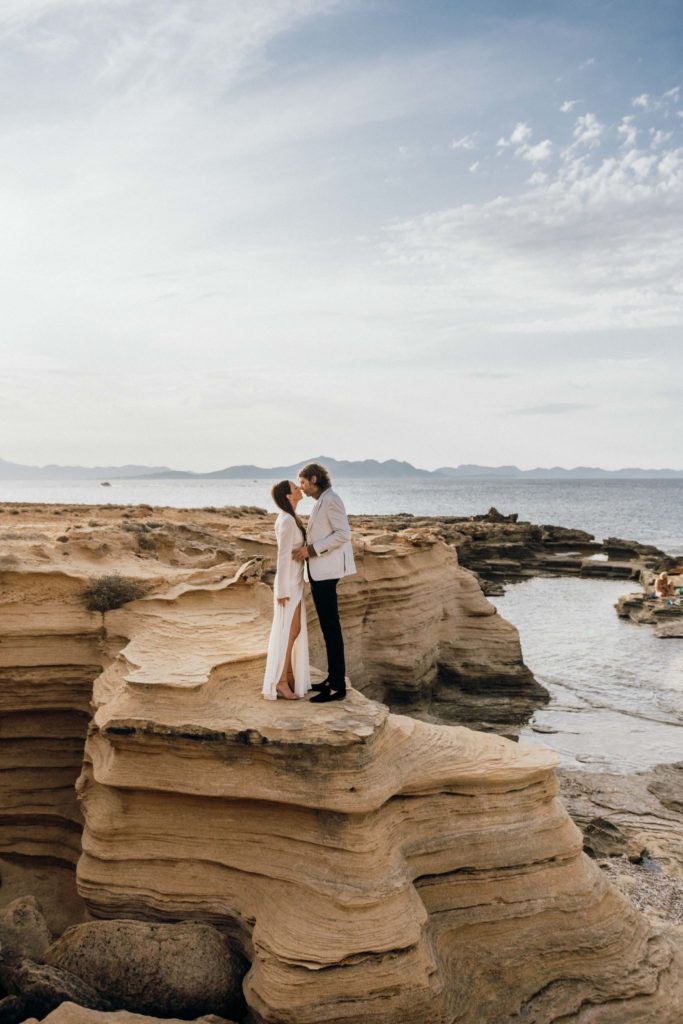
(320, 552)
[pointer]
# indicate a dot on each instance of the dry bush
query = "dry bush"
(111, 591)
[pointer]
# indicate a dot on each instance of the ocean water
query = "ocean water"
(650, 511)
(617, 690)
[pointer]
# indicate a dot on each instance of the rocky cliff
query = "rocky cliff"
(370, 867)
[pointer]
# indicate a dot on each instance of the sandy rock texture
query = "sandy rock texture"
(422, 638)
(638, 814)
(165, 969)
(71, 1013)
(372, 868)
(501, 548)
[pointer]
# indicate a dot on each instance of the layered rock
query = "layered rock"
(502, 549)
(421, 636)
(640, 814)
(49, 656)
(643, 607)
(371, 867)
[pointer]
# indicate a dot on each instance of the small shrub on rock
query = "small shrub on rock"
(111, 591)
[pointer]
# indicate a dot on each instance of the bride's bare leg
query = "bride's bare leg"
(284, 686)
(287, 679)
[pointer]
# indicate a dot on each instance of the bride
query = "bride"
(287, 670)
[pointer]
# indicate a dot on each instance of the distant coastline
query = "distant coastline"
(369, 469)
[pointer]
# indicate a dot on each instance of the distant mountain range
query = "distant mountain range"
(368, 469)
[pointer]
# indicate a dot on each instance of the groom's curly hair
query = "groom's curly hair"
(322, 477)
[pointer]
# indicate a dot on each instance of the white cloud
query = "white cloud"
(475, 167)
(519, 135)
(538, 178)
(659, 137)
(538, 153)
(567, 106)
(628, 130)
(596, 246)
(648, 102)
(588, 130)
(467, 142)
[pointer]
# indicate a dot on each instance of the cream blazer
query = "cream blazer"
(329, 532)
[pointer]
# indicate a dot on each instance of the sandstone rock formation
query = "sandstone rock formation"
(502, 549)
(370, 867)
(643, 608)
(23, 930)
(71, 1013)
(643, 812)
(422, 637)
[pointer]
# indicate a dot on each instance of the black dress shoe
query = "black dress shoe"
(320, 686)
(328, 694)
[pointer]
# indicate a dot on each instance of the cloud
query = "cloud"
(596, 245)
(519, 135)
(473, 168)
(662, 102)
(552, 409)
(628, 130)
(658, 137)
(541, 151)
(467, 142)
(567, 106)
(588, 130)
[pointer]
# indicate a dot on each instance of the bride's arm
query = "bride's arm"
(284, 531)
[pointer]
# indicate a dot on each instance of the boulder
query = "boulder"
(41, 988)
(23, 930)
(184, 969)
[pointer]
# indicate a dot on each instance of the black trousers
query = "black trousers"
(325, 600)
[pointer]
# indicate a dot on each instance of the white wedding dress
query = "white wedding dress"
(289, 582)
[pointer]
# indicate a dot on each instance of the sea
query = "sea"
(616, 688)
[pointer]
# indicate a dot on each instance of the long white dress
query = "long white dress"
(289, 582)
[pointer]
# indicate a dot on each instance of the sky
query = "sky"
(255, 232)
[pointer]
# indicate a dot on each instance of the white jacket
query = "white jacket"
(329, 533)
(290, 573)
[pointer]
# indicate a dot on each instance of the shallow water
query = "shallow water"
(616, 689)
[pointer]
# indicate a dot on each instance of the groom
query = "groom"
(330, 557)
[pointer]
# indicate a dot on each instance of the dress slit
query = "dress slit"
(277, 648)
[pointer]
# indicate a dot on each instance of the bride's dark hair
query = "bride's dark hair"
(279, 494)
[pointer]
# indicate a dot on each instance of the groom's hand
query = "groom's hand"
(300, 554)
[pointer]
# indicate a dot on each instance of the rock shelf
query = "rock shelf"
(371, 867)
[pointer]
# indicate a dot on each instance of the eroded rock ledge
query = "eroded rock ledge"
(371, 867)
